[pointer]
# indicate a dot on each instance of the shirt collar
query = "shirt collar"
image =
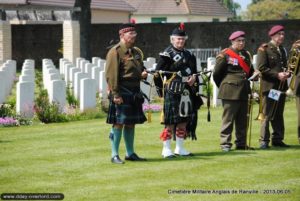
(123, 47)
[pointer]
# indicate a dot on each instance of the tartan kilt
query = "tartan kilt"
(129, 112)
(171, 109)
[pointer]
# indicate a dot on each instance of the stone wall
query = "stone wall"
(44, 41)
(153, 38)
(36, 42)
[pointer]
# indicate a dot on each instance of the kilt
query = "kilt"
(129, 112)
(171, 109)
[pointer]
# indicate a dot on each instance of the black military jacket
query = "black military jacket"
(174, 60)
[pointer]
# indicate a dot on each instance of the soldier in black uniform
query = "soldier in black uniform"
(179, 91)
(232, 70)
(124, 70)
(272, 63)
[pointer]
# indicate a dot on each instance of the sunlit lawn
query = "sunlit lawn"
(74, 159)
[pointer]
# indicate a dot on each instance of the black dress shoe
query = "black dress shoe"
(190, 154)
(264, 146)
(134, 157)
(244, 148)
(279, 144)
(116, 159)
(171, 156)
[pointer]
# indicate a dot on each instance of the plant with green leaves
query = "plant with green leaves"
(48, 112)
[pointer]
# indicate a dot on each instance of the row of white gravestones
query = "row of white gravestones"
(83, 78)
(25, 90)
(7, 77)
(54, 84)
(76, 75)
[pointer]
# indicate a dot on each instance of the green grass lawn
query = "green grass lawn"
(74, 159)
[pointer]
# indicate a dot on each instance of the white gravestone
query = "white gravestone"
(72, 75)
(61, 65)
(13, 65)
(103, 85)
(26, 78)
(57, 93)
(78, 76)
(82, 65)
(95, 60)
(211, 62)
(146, 88)
(29, 62)
(25, 99)
(78, 60)
(67, 72)
(101, 63)
(6, 77)
(2, 86)
(151, 61)
(96, 76)
(88, 69)
(87, 94)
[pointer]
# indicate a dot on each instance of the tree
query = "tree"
(84, 18)
(273, 10)
(232, 7)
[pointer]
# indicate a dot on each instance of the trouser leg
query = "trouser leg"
(227, 123)
(278, 121)
(241, 124)
(264, 128)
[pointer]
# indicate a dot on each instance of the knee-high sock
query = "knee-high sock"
(129, 140)
(115, 141)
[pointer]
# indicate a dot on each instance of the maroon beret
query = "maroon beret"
(236, 34)
(126, 27)
(275, 29)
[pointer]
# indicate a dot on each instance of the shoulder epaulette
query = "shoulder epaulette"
(165, 54)
(250, 56)
(248, 53)
(188, 51)
(263, 47)
(222, 54)
(116, 46)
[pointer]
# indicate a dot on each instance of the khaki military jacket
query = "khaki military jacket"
(123, 68)
(297, 78)
(231, 79)
(271, 61)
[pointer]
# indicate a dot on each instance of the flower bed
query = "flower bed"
(152, 107)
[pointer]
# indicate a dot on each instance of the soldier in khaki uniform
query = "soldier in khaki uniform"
(232, 70)
(124, 70)
(296, 46)
(272, 63)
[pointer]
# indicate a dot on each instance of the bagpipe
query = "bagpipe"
(178, 87)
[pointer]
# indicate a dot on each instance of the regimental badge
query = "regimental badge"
(188, 71)
(177, 57)
(233, 61)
